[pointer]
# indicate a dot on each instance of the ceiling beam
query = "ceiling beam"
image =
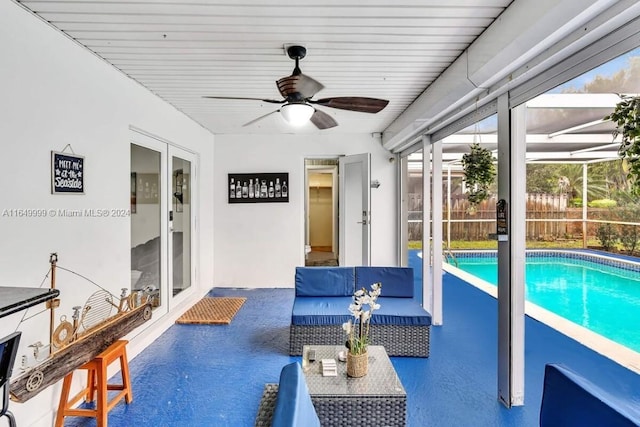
(574, 100)
(527, 39)
(576, 138)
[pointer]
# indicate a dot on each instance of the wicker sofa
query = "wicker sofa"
(322, 298)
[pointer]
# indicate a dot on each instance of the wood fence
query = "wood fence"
(549, 213)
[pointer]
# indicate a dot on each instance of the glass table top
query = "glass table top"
(381, 378)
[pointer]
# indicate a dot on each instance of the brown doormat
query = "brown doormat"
(212, 311)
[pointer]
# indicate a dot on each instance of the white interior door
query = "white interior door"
(355, 209)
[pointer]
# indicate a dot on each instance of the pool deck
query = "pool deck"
(199, 375)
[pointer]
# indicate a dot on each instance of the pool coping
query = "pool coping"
(602, 345)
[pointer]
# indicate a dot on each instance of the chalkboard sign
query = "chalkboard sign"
(67, 173)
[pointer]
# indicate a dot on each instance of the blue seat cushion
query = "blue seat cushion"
(325, 281)
(293, 403)
(335, 311)
(321, 310)
(570, 400)
(400, 311)
(396, 281)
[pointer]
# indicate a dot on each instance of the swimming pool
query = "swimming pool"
(600, 293)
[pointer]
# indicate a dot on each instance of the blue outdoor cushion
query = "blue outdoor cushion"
(325, 281)
(293, 404)
(396, 281)
(400, 311)
(570, 400)
(335, 311)
(321, 310)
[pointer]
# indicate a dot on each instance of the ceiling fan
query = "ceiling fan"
(298, 90)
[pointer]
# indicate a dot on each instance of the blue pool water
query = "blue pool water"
(601, 297)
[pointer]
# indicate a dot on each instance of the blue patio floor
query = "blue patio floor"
(197, 375)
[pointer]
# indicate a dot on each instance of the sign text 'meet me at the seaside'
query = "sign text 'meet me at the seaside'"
(67, 173)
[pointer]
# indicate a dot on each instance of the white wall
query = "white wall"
(54, 92)
(259, 245)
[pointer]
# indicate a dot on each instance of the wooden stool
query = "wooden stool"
(97, 381)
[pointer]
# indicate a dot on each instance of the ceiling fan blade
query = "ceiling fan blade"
(300, 84)
(260, 118)
(272, 101)
(353, 103)
(322, 120)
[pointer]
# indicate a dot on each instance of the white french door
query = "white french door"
(163, 221)
(181, 227)
(355, 209)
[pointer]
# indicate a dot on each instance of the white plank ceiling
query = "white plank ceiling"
(390, 49)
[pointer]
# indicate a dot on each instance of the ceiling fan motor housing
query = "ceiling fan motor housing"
(296, 52)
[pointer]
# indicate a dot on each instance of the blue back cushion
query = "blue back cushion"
(396, 281)
(569, 400)
(325, 281)
(293, 404)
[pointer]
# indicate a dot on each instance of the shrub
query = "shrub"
(602, 203)
(630, 234)
(629, 238)
(607, 235)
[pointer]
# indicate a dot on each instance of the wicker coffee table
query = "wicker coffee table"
(376, 400)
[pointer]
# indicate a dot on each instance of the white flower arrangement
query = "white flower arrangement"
(357, 342)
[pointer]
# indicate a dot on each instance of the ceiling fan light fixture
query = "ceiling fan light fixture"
(297, 114)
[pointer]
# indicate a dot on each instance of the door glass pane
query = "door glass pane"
(145, 220)
(181, 231)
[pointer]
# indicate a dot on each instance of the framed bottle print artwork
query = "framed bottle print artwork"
(258, 187)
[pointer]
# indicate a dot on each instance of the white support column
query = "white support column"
(449, 206)
(427, 283)
(436, 215)
(403, 225)
(511, 252)
(584, 205)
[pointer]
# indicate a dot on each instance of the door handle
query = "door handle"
(364, 219)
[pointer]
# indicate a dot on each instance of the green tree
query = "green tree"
(597, 186)
(540, 178)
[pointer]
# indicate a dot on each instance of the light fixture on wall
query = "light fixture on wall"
(297, 114)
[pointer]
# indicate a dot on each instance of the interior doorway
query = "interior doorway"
(321, 194)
